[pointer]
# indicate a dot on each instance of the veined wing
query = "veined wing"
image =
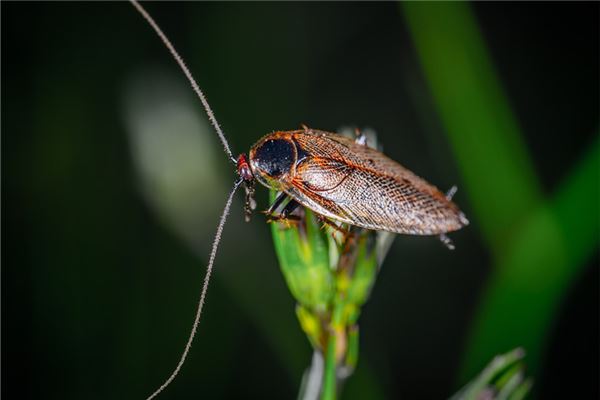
(355, 184)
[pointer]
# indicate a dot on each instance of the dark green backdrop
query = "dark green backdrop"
(107, 216)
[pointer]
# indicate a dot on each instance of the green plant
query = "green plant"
(330, 270)
(503, 378)
(538, 242)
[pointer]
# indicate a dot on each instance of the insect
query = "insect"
(338, 178)
(345, 180)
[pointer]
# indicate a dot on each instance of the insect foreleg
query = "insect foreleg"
(285, 214)
(289, 209)
(278, 200)
(250, 203)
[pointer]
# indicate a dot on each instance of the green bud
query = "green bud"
(330, 272)
(303, 252)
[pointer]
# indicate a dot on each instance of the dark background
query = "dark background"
(100, 278)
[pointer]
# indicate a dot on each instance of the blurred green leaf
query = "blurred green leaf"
(539, 247)
(501, 379)
(544, 258)
(303, 256)
(483, 133)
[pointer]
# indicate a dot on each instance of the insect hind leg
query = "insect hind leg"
(336, 228)
(451, 192)
(446, 241)
(443, 237)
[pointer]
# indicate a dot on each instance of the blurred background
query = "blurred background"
(113, 182)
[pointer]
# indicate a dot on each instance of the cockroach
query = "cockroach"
(347, 181)
(338, 178)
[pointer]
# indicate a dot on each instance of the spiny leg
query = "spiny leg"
(250, 204)
(451, 192)
(446, 241)
(443, 237)
(327, 222)
(278, 200)
(285, 214)
(289, 209)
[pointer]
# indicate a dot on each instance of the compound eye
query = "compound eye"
(275, 157)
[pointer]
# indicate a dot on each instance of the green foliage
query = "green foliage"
(539, 244)
(503, 378)
(330, 272)
(304, 259)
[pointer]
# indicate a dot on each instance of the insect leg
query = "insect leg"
(284, 215)
(361, 138)
(443, 237)
(447, 241)
(289, 209)
(278, 200)
(250, 203)
(327, 222)
(451, 192)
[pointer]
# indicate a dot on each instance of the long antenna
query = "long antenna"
(211, 261)
(188, 74)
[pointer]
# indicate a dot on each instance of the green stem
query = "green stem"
(330, 381)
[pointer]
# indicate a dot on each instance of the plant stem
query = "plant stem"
(330, 381)
(313, 378)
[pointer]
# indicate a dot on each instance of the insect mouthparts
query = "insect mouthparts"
(245, 172)
(243, 168)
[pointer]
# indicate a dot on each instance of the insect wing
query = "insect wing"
(353, 183)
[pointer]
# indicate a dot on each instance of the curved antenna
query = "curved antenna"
(188, 74)
(209, 268)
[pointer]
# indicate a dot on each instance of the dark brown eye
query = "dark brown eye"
(275, 157)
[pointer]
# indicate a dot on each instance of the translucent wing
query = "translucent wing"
(355, 184)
